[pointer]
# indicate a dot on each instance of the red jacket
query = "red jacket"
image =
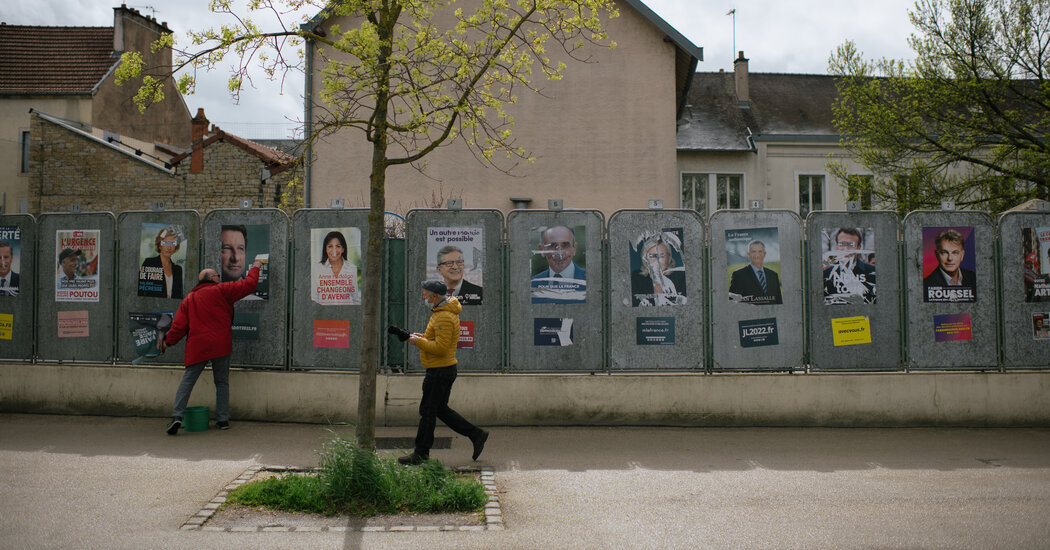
(207, 315)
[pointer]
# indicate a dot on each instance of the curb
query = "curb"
(493, 514)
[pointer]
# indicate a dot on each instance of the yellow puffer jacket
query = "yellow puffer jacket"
(437, 347)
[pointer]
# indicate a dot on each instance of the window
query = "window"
(694, 192)
(23, 147)
(810, 194)
(858, 188)
(727, 191)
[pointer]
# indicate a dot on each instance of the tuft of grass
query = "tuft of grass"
(355, 481)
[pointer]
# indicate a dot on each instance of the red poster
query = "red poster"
(73, 324)
(466, 335)
(331, 334)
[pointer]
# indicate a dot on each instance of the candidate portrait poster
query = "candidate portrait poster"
(559, 264)
(239, 246)
(948, 261)
(848, 264)
(657, 268)
(753, 265)
(1035, 253)
(162, 259)
(77, 268)
(456, 255)
(10, 260)
(335, 266)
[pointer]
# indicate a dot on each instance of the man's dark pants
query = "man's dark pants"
(437, 386)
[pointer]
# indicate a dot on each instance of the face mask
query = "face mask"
(427, 304)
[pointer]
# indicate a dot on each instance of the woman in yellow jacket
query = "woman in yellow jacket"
(437, 353)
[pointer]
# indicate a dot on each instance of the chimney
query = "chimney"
(740, 69)
(197, 132)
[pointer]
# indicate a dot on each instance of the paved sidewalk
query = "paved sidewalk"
(92, 482)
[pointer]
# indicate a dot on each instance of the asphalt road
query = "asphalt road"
(94, 482)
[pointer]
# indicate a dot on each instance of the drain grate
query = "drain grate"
(408, 443)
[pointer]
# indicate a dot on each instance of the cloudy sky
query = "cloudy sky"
(786, 36)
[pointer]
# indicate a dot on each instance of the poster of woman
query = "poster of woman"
(456, 256)
(335, 266)
(657, 270)
(161, 260)
(77, 269)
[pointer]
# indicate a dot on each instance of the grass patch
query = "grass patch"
(358, 482)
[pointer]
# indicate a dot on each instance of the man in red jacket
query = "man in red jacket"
(206, 314)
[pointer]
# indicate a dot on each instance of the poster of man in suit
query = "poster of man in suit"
(10, 259)
(849, 265)
(753, 261)
(948, 260)
(559, 265)
(456, 255)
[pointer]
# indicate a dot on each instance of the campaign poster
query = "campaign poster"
(162, 259)
(331, 334)
(7, 326)
(466, 335)
(1041, 325)
(654, 331)
(953, 327)
(948, 260)
(73, 324)
(146, 329)
(753, 261)
(10, 259)
(335, 266)
(456, 255)
(559, 274)
(240, 246)
(849, 331)
(552, 331)
(245, 325)
(657, 268)
(758, 332)
(1035, 250)
(849, 265)
(77, 269)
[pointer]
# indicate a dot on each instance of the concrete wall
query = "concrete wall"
(609, 125)
(850, 400)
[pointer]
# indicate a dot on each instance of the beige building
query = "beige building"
(603, 137)
(761, 137)
(68, 72)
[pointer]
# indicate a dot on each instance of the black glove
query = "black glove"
(401, 333)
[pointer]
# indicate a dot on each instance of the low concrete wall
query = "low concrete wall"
(846, 400)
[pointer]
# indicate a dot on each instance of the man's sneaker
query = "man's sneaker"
(174, 425)
(413, 459)
(222, 425)
(479, 443)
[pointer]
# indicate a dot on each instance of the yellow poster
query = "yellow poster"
(848, 331)
(7, 324)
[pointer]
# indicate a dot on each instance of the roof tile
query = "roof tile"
(54, 60)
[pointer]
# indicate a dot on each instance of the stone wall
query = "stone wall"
(69, 168)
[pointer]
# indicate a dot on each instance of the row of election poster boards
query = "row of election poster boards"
(878, 293)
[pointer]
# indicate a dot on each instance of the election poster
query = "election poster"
(753, 262)
(758, 332)
(552, 331)
(241, 245)
(162, 258)
(1035, 250)
(654, 331)
(77, 268)
(146, 329)
(456, 255)
(559, 267)
(849, 265)
(948, 260)
(335, 266)
(657, 268)
(10, 259)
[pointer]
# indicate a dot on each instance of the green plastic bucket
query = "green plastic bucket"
(196, 419)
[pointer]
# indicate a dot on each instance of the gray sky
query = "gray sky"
(782, 36)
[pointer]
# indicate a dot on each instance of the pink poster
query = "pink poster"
(331, 334)
(73, 324)
(466, 335)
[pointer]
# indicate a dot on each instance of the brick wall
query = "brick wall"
(67, 168)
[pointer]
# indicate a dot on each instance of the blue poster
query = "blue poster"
(552, 331)
(654, 331)
(758, 332)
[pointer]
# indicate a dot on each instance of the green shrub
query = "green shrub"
(355, 481)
